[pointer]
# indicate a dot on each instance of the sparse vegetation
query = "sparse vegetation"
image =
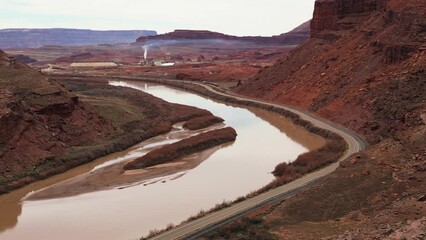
(130, 115)
(202, 122)
(308, 162)
(203, 213)
(184, 147)
(244, 228)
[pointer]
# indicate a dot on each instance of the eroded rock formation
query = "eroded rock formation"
(330, 14)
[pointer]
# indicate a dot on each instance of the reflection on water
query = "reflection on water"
(9, 216)
(130, 212)
(293, 131)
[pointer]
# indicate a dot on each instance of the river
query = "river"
(264, 140)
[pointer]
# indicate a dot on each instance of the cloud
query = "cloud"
(240, 17)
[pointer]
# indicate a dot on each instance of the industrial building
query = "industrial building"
(94, 65)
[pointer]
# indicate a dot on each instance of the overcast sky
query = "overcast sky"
(237, 17)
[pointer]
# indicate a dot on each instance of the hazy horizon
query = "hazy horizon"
(234, 17)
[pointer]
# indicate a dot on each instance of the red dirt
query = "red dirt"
(375, 67)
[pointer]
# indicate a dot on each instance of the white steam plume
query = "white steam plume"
(145, 54)
(162, 43)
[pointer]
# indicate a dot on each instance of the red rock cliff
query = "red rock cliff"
(328, 14)
(369, 78)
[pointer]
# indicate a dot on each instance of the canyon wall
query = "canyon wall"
(330, 14)
(368, 77)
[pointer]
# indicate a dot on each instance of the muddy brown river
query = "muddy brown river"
(133, 209)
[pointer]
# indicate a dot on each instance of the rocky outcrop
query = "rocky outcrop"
(328, 14)
(24, 59)
(325, 17)
(35, 38)
(397, 53)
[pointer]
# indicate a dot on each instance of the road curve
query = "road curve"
(213, 220)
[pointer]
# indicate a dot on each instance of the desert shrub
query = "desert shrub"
(311, 161)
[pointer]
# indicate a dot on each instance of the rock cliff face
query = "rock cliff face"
(35, 38)
(330, 14)
(296, 36)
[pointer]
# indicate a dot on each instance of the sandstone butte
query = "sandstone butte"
(296, 36)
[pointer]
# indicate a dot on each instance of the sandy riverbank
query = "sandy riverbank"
(112, 176)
